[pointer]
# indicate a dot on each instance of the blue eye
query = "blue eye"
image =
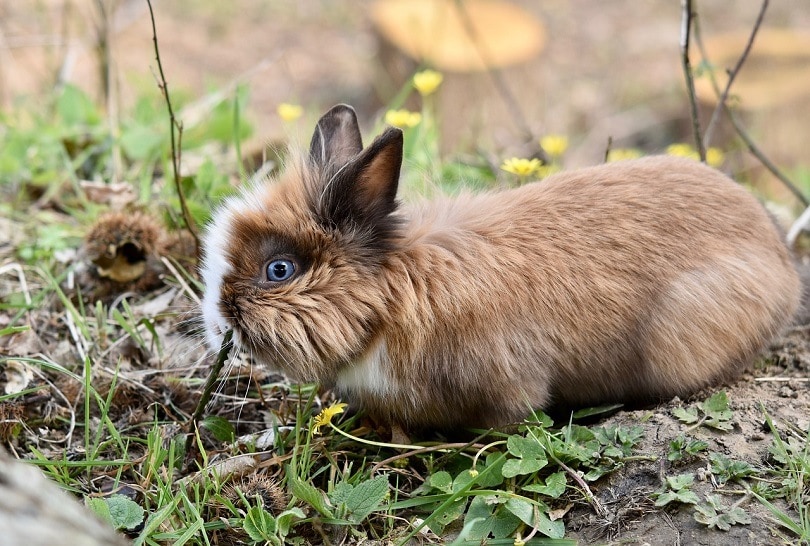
(280, 270)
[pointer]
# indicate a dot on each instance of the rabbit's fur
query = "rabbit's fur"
(632, 281)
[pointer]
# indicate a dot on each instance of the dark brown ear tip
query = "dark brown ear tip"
(392, 134)
(342, 112)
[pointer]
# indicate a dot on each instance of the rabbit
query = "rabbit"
(633, 281)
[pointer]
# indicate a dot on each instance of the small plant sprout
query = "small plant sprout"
(404, 119)
(554, 145)
(681, 149)
(715, 157)
(521, 167)
(622, 154)
(427, 81)
(325, 417)
(289, 112)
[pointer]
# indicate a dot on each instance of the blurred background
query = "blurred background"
(513, 70)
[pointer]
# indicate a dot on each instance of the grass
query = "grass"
(108, 383)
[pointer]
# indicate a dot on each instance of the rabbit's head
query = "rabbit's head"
(290, 265)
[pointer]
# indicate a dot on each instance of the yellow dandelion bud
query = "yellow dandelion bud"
(547, 170)
(554, 145)
(715, 157)
(521, 166)
(519, 541)
(622, 154)
(404, 119)
(289, 112)
(473, 473)
(683, 150)
(427, 81)
(325, 417)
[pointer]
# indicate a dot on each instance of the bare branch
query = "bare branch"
(743, 134)
(175, 139)
(686, 30)
(732, 74)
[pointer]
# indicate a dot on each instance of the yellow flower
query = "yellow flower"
(554, 145)
(622, 154)
(473, 473)
(325, 417)
(289, 112)
(683, 150)
(546, 170)
(519, 541)
(427, 81)
(403, 119)
(521, 166)
(715, 157)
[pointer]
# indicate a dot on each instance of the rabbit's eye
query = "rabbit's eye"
(280, 270)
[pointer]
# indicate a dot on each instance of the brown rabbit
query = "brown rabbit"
(633, 281)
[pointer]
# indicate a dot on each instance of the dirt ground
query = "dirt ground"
(609, 69)
(778, 390)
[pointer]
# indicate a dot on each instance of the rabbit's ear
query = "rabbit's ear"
(336, 139)
(363, 193)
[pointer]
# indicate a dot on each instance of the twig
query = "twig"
(732, 74)
(213, 375)
(176, 141)
(518, 117)
(743, 134)
(686, 30)
(608, 148)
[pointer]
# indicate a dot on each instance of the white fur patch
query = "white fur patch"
(215, 264)
(214, 267)
(368, 374)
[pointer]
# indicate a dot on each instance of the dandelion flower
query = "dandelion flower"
(521, 166)
(325, 417)
(682, 150)
(427, 81)
(554, 145)
(715, 157)
(547, 170)
(622, 154)
(289, 112)
(404, 119)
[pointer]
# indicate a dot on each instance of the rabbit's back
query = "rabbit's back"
(639, 280)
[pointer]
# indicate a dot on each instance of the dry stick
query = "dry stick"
(175, 142)
(743, 134)
(213, 375)
(732, 74)
(686, 30)
(518, 117)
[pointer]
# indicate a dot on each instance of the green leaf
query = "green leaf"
(532, 456)
(495, 520)
(714, 514)
(260, 525)
(366, 497)
(442, 481)
(122, 512)
(521, 508)
(221, 428)
(285, 519)
(686, 415)
(681, 481)
(553, 487)
(532, 516)
(309, 494)
(340, 493)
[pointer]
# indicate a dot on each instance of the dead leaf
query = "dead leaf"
(554, 515)
(116, 195)
(18, 376)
